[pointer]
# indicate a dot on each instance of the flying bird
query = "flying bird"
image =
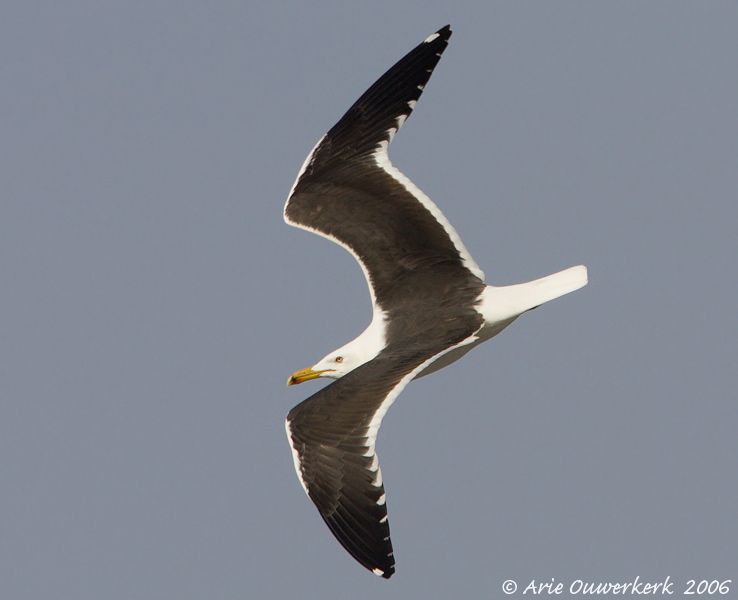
(430, 303)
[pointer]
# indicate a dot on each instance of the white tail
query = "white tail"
(504, 303)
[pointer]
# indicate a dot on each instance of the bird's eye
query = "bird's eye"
(339, 359)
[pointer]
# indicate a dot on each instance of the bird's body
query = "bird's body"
(430, 302)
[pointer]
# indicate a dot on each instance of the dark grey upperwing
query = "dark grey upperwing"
(370, 119)
(332, 434)
(349, 192)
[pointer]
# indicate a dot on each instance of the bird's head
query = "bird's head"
(347, 358)
(336, 364)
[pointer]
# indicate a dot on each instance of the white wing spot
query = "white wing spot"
(377, 478)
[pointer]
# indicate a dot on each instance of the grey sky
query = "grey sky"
(153, 302)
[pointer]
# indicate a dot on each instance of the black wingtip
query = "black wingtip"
(373, 118)
(445, 31)
(388, 573)
(442, 34)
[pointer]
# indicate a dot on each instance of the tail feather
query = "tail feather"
(504, 303)
(540, 291)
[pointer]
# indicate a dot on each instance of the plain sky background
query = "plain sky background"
(153, 302)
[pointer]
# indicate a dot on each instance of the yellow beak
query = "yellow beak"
(304, 375)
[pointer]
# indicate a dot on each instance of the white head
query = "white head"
(346, 358)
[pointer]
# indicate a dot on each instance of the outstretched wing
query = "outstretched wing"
(349, 192)
(333, 435)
